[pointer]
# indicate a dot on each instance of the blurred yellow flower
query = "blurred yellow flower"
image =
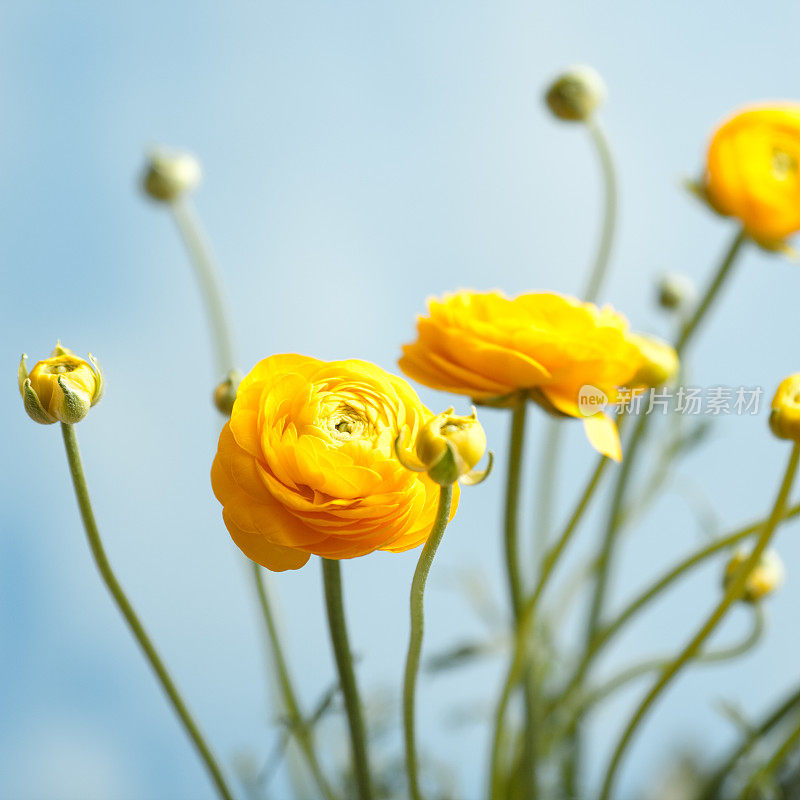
(61, 388)
(307, 465)
(660, 362)
(784, 420)
(753, 171)
(767, 576)
(552, 347)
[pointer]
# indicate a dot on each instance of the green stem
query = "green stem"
(604, 561)
(605, 634)
(606, 159)
(732, 594)
(546, 484)
(687, 333)
(297, 721)
(723, 271)
(332, 579)
(790, 704)
(209, 281)
(651, 665)
(126, 609)
(415, 640)
(761, 775)
(516, 444)
(516, 591)
(546, 493)
(526, 624)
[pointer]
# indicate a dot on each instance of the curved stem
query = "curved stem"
(723, 271)
(762, 774)
(415, 640)
(605, 634)
(332, 579)
(790, 704)
(126, 609)
(297, 721)
(606, 159)
(526, 623)
(209, 281)
(652, 664)
(732, 594)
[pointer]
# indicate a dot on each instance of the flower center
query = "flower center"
(783, 164)
(347, 423)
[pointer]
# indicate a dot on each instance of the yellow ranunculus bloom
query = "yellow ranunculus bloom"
(753, 171)
(61, 388)
(307, 464)
(784, 420)
(485, 345)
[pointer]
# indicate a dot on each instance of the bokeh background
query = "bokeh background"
(358, 157)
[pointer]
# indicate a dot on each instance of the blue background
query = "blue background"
(358, 157)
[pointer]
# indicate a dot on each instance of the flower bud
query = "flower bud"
(225, 393)
(447, 448)
(61, 388)
(676, 292)
(576, 93)
(785, 417)
(169, 175)
(659, 361)
(766, 577)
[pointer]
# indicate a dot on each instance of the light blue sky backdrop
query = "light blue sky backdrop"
(359, 156)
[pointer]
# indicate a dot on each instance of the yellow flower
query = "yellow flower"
(659, 361)
(550, 347)
(785, 417)
(767, 575)
(307, 465)
(61, 388)
(448, 446)
(753, 171)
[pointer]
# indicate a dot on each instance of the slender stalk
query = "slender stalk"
(209, 282)
(332, 580)
(297, 721)
(526, 623)
(711, 293)
(516, 591)
(732, 594)
(754, 635)
(606, 159)
(516, 445)
(126, 609)
(546, 492)
(790, 704)
(761, 775)
(687, 333)
(415, 640)
(546, 483)
(653, 591)
(604, 561)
